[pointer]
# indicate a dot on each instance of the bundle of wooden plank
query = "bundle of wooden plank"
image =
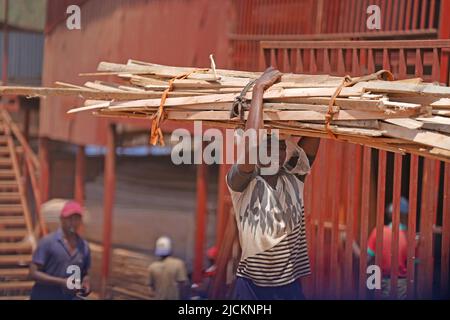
(400, 116)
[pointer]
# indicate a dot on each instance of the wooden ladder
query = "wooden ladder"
(16, 232)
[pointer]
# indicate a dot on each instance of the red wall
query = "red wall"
(175, 32)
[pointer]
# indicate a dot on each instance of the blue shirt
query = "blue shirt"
(54, 257)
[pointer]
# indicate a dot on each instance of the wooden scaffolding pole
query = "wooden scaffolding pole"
(202, 212)
(45, 168)
(108, 204)
(80, 171)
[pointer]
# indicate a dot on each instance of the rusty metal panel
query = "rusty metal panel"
(139, 29)
(396, 224)
(425, 267)
(423, 58)
(412, 217)
(261, 19)
(445, 250)
(381, 200)
(365, 207)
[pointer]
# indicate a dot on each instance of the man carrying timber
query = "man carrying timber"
(270, 211)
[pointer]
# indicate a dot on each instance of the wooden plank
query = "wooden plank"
(15, 259)
(406, 123)
(162, 71)
(85, 93)
(436, 127)
(419, 136)
(270, 94)
(443, 113)
(224, 72)
(287, 115)
(436, 120)
(395, 87)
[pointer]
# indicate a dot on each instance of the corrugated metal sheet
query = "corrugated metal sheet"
(175, 32)
(25, 57)
(256, 19)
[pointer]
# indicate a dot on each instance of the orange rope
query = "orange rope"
(331, 107)
(156, 134)
(347, 82)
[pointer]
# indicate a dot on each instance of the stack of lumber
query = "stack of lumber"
(129, 273)
(400, 116)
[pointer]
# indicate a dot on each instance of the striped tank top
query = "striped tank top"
(272, 231)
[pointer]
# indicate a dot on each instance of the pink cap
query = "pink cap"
(212, 253)
(71, 208)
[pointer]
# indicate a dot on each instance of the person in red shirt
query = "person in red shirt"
(202, 290)
(386, 261)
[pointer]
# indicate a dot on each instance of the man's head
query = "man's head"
(71, 217)
(211, 253)
(275, 153)
(404, 210)
(163, 247)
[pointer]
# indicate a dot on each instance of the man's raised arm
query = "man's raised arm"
(256, 114)
(240, 175)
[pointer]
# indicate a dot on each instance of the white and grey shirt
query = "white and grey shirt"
(271, 226)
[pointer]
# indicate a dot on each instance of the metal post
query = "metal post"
(45, 168)
(202, 210)
(110, 181)
(80, 170)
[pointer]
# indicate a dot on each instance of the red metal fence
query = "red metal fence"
(300, 20)
(411, 18)
(350, 186)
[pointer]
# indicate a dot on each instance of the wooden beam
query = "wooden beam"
(80, 171)
(108, 204)
(201, 216)
(44, 161)
(419, 136)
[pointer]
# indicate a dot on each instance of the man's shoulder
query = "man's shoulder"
(239, 181)
(175, 261)
(48, 239)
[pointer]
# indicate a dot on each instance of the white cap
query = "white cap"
(163, 247)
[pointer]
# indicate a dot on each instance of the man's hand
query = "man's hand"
(86, 286)
(267, 79)
(65, 288)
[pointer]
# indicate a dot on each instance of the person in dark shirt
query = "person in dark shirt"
(60, 258)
